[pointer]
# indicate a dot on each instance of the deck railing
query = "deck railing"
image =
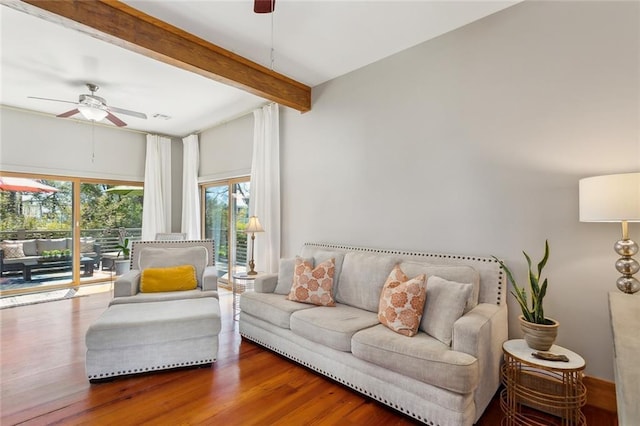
(108, 238)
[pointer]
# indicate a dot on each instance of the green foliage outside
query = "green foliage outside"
(217, 219)
(53, 211)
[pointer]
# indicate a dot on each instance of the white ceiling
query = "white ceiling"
(313, 42)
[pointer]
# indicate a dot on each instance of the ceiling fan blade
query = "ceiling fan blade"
(127, 112)
(115, 120)
(68, 113)
(264, 6)
(48, 99)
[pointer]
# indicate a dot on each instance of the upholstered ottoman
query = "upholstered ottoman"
(139, 337)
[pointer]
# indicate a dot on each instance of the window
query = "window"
(38, 213)
(226, 213)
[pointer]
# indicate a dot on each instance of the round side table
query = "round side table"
(237, 290)
(554, 387)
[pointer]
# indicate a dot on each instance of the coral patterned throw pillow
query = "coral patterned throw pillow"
(313, 285)
(402, 302)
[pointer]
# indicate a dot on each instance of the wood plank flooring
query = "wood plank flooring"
(43, 381)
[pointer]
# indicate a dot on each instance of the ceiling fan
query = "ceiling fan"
(95, 108)
(264, 6)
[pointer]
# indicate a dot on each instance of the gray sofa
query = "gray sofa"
(33, 250)
(444, 375)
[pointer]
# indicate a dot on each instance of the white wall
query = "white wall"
(36, 143)
(474, 143)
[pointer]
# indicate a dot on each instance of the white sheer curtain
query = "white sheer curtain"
(190, 194)
(265, 186)
(156, 207)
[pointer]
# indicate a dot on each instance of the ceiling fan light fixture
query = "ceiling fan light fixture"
(92, 113)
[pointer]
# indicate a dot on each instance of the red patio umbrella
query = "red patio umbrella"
(24, 185)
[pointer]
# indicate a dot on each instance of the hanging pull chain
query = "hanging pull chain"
(273, 51)
(93, 142)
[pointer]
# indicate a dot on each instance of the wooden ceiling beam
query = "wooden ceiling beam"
(122, 25)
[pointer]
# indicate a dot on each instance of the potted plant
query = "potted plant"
(123, 247)
(539, 331)
(122, 266)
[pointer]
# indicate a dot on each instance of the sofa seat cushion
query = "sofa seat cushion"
(163, 296)
(21, 260)
(151, 323)
(422, 357)
(332, 326)
(270, 307)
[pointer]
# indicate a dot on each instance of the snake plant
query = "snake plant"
(535, 314)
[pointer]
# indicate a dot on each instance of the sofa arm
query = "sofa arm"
(128, 284)
(265, 283)
(210, 278)
(481, 333)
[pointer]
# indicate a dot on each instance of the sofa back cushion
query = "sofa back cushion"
(362, 278)
(29, 247)
(12, 250)
(50, 244)
(320, 255)
(445, 304)
(160, 257)
(285, 275)
(458, 274)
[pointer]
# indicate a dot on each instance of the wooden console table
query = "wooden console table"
(625, 322)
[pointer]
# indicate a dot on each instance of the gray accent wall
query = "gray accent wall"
(473, 143)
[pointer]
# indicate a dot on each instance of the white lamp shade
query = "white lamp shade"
(611, 198)
(92, 113)
(254, 225)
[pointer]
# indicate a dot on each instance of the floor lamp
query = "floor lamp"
(615, 198)
(253, 226)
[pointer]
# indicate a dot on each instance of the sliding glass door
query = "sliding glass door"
(226, 213)
(41, 247)
(36, 217)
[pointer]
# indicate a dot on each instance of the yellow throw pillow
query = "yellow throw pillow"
(175, 278)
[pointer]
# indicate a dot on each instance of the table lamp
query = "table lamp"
(253, 226)
(615, 198)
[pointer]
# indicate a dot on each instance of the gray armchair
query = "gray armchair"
(173, 329)
(159, 254)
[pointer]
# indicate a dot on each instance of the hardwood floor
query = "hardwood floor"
(43, 381)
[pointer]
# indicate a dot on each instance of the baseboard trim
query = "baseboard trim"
(601, 393)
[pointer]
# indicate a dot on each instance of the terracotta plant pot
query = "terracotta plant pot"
(539, 336)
